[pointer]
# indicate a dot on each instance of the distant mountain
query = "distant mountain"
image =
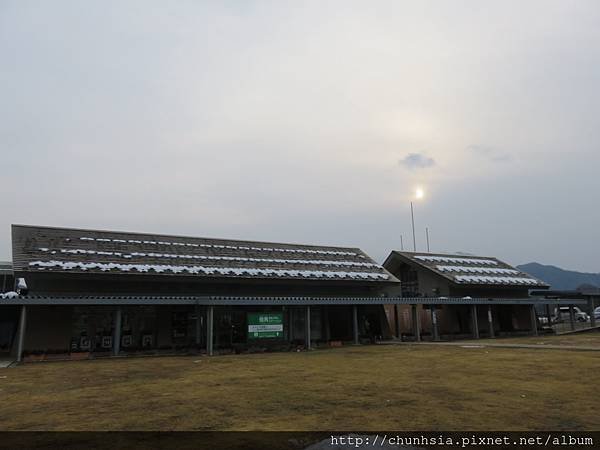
(561, 279)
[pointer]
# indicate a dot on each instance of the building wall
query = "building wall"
(521, 317)
(432, 285)
(456, 320)
(48, 328)
(405, 322)
(9, 322)
(7, 282)
(63, 329)
(163, 331)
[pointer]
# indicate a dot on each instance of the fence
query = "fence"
(564, 319)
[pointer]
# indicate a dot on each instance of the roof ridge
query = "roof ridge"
(454, 255)
(139, 233)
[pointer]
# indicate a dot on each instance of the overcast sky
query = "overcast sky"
(308, 122)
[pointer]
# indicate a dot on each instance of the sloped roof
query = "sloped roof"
(49, 249)
(6, 268)
(469, 270)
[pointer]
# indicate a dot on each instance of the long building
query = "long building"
(468, 277)
(92, 293)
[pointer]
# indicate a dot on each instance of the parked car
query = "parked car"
(580, 316)
(597, 313)
(544, 320)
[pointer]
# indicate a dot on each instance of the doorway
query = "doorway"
(9, 322)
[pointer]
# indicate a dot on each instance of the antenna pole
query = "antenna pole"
(412, 217)
(427, 235)
(401, 243)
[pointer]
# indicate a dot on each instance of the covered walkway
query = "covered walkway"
(205, 309)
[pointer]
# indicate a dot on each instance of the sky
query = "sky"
(308, 122)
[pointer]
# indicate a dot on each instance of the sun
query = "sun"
(419, 193)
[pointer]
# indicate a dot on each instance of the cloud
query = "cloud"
(414, 161)
(491, 153)
(268, 114)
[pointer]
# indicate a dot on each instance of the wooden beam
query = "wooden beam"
(198, 325)
(534, 328)
(434, 325)
(572, 317)
(416, 323)
(209, 330)
(325, 310)
(21, 336)
(355, 324)
(117, 332)
(491, 321)
(474, 322)
(307, 323)
(548, 314)
(397, 322)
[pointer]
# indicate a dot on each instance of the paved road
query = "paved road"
(501, 345)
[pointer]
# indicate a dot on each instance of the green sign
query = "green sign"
(265, 325)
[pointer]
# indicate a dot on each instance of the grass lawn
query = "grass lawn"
(352, 388)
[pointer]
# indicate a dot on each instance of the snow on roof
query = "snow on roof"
(232, 247)
(70, 250)
(196, 270)
(473, 269)
(495, 280)
(456, 260)
(209, 257)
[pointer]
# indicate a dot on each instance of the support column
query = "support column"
(291, 320)
(491, 322)
(198, 325)
(534, 328)
(396, 322)
(548, 315)
(434, 325)
(592, 308)
(209, 330)
(475, 324)
(21, 338)
(416, 323)
(117, 332)
(355, 324)
(572, 317)
(307, 323)
(327, 326)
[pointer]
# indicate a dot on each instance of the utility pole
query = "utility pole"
(401, 243)
(412, 216)
(427, 235)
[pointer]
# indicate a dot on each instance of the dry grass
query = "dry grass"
(352, 388)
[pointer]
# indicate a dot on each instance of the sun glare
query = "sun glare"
(419, 193)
